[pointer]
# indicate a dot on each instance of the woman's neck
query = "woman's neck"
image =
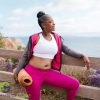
(45, 33)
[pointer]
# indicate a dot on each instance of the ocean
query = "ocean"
(87, 45)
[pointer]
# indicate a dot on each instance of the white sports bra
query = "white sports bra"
(45, 48)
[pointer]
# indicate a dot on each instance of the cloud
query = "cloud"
(22, 12)
(70, 16)
(14, 18)
(19, 26)
(80, 16)
(18, 29)
(70, 5)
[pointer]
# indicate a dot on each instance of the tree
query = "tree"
(1, 41)
(19, 47)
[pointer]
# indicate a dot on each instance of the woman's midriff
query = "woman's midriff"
(42, 63)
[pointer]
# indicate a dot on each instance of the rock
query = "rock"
(13, 43)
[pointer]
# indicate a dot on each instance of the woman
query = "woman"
(42, 60)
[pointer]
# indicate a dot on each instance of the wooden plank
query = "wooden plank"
(10, 53)
(68, 60)
(89, 92)
(84, 91)
(95, 62)
(7, 76)
(5, 96)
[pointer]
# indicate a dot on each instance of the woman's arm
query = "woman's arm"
(24, 58)
(70, 52)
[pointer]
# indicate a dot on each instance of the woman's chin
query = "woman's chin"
(53, 29)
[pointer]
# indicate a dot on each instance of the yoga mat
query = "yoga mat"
(24, 78)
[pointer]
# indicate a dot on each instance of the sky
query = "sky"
(72, 17)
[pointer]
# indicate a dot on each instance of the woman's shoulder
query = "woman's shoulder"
(35, 34)
(34, 37)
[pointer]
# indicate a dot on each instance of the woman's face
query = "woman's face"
(48, 25)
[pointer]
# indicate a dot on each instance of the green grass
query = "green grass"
(2, 84)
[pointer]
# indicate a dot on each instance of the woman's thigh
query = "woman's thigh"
(61, 80)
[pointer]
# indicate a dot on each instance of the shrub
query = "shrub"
(1, 41)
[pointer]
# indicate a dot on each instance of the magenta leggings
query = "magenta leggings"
(50, 77)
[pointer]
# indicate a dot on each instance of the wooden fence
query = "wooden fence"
(83, 91)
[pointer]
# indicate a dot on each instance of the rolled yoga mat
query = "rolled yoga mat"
(24, 78)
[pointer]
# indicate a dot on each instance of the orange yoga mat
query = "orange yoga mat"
(24, 78)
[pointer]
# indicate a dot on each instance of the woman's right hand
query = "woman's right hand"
(86, 61)
(15, 75)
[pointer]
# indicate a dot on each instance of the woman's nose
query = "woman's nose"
(53, 24)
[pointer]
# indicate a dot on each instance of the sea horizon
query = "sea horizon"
(86, 45)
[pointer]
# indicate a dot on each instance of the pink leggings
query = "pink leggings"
(51, 77)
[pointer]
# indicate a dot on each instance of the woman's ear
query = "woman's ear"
(43, 25)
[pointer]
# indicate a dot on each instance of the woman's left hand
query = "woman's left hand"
(86, 61)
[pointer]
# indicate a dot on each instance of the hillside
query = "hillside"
(13, 43)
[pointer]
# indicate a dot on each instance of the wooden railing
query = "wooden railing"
(83, 91)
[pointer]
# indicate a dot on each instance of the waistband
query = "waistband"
(35, 67)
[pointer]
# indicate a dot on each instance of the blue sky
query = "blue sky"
(72, 17)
